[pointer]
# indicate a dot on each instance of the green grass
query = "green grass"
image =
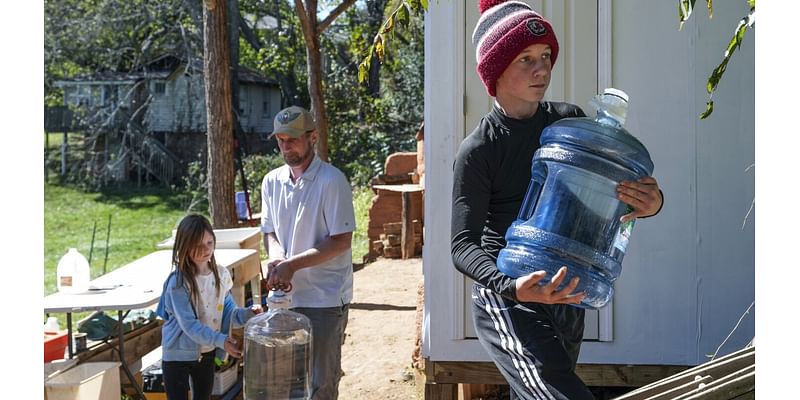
(53, 140)
(362, 200)
(140, 218)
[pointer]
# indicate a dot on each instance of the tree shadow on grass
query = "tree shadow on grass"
(134, 198)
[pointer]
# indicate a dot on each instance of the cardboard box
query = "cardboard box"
(223, 380)
(88, 381)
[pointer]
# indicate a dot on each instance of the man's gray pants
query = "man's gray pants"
(327, 330)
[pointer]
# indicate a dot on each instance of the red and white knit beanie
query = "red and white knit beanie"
(504, 29)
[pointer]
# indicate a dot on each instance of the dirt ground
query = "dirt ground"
(380, 334)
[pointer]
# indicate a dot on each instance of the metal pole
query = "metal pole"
(91, 247)
(108, 235)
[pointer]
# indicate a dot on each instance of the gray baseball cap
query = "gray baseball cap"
(293, 121)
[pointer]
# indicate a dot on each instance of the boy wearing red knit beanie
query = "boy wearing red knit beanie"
(532, 332)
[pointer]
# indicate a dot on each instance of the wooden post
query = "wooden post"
(407, 234)
(441, 391)
(64, 155)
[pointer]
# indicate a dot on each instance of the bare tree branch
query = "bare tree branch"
(344, 5)
(249, 35)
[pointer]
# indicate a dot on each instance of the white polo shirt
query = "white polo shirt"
(302, 214)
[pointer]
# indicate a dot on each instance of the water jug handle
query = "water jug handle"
(530, 200)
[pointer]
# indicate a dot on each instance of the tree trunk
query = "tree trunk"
(308, 19)
(317, 97)
(217, 77)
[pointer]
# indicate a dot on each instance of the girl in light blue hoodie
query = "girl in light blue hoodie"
(197, 309)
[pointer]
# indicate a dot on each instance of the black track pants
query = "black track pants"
(535, 346)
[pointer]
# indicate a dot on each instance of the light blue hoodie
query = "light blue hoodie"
(182, 333)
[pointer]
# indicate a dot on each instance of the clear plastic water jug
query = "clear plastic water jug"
(277, 353)
(571, 215)
(73, 273)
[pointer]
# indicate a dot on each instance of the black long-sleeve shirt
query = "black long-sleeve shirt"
(492, 172)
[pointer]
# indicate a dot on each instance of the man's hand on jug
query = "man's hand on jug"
(279, 274)
(529, 290)
(643, 195)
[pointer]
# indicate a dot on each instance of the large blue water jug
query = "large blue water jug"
(571, 215)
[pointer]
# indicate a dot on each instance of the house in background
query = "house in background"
(155, 120)
(688, 275)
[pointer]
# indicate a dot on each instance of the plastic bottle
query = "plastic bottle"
(241, 206)
(570, 214)
(73, 273)
(51, 326)
(277, 353)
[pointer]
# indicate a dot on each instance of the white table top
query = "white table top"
(132, 286)
(230, 238)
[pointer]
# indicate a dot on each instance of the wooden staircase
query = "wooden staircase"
(144, 152)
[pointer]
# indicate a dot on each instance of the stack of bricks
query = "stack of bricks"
(386, 206)
(403, 168)
(389, 244)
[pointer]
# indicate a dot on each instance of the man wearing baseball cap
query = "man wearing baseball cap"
(531, 331)
(307, 219)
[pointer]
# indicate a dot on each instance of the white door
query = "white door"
(574, 80)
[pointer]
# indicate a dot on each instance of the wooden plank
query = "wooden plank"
(407, 236)
(469, 391)
(680, 390)
(625, 375)
(406, 188)
(392, 240)
(245, 270)
(717, 368)
(391, 252)
(393, 228)
(138, 343)
(726, 387)
(441, 391)
(464, 372)
(591, 374)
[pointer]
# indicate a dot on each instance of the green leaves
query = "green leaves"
(365, 65)
(685, 8)
(719, 71)
(401, 16)
(709, 109)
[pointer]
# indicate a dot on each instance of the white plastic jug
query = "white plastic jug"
(51, 326)
(73, 273)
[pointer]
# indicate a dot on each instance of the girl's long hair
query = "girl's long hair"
(188, 237)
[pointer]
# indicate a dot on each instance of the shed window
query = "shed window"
(265, 110)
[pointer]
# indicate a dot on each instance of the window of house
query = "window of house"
(159, 88)
(265, 110)
(243, 101)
